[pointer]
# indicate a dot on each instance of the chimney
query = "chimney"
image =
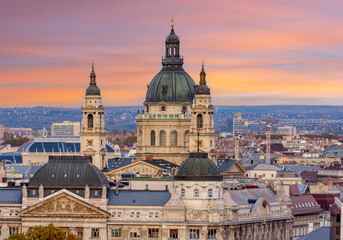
(167, 187)
(117, 191)
(146, 187)
(150, 158)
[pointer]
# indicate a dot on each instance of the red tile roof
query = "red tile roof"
(305, 204)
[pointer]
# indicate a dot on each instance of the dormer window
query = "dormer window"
(184, 109)
(164, 88)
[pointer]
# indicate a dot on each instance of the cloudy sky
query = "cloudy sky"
(261, 52)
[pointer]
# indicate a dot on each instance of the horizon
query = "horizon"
(255, 53)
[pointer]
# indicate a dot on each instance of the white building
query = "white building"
(65, 129)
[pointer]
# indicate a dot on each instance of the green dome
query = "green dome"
(198, 167)
(172, 84)
(171, 87)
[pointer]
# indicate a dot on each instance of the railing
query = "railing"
(164, 116)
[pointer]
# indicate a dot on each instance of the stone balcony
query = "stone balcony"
(163, 116)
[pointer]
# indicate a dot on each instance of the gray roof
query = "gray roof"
(322, 233)
(284, 174)
(138, 198)
(298, 168)
(241, 197)
(114, 163)
(10, 196)
(21, 169)
(69, 172)
(263, 167)
(225, 164)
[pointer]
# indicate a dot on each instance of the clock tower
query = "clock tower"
(93, 133)
(202, 125)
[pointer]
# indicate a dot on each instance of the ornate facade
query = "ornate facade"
(93, 133)
(164, 126)
(74, 195)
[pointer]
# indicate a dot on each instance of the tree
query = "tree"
(40, 232)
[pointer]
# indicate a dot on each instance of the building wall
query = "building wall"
(157, 120)
(264, 175)
(65, 129)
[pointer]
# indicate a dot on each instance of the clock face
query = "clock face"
(90, 142)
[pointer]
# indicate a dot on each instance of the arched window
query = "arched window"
(199, 121)
(173, 138)
(210, 193)
(152, 138)
(90, 120)
(183, 192)
(163, 108)
(186, 141)
(219, 193)
(162, 138)
(196, 193)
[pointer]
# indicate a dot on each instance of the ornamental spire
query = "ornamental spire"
(202, 74)
(92, 76)
(172, 25)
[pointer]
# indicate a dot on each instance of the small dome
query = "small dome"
(171, 87)
(202, 89)
(198, 167)
(172, 37)
(92, 90)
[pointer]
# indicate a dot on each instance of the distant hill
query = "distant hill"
(123, 117)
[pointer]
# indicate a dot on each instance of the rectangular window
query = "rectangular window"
(338, 230)
(212, 234)
(194, 233)
(173, 233)
(119, 214)
(153, 232)
(79, 231)
(116, 232)
(13, 230)
(134, 235)
(95, 232)
(338, 218)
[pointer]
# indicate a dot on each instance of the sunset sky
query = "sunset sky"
(264, 52)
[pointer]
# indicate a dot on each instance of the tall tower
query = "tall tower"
(163, 127)
(93, 133)
(202, 119)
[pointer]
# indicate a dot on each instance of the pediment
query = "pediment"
(64, 205)
(135, 165)
(236, 167)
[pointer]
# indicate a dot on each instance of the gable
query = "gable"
(63, 205)
(236, 168)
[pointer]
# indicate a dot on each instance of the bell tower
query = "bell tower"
(202, 131)
(93, 133)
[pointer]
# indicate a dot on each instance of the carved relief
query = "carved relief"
(63, 205)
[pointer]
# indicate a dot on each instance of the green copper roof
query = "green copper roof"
(171, 87)
(69, 172)
(198, 167)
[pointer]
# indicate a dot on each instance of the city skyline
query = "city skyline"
(264, 53)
